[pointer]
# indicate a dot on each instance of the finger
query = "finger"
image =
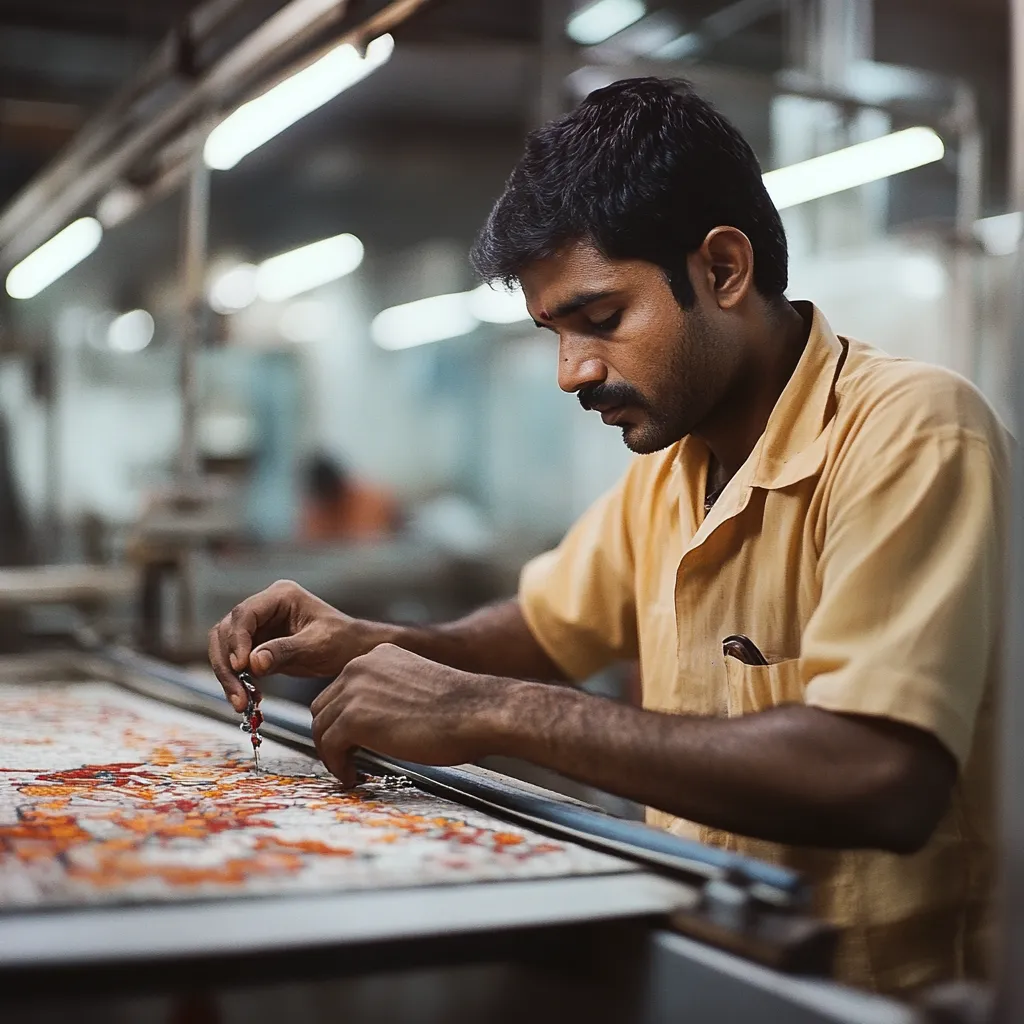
(241, 626)
(328, 713)
(319, 727)
(217, 650)
(276, 655)
(349, 774)
(328, 694)
(268, 609)
(320, 701)
(335, 750)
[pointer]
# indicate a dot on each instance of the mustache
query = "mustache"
(619, 393)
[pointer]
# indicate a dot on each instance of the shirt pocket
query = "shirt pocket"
(753, 688)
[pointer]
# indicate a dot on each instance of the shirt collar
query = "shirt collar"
(794, 441)
(792, 446)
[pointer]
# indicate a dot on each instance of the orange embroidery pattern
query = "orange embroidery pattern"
(106, 796)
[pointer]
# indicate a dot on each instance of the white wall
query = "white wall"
(901, 295)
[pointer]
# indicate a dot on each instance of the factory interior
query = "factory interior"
(243, 341)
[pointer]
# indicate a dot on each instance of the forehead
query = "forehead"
(576, 268)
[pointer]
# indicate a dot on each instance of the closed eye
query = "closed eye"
(610, 323)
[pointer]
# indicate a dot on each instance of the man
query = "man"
(338, 506)
(834, 514)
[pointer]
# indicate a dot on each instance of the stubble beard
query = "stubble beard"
(681, 403)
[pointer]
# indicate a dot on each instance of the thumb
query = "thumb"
(274, 655)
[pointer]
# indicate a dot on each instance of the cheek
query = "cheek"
(635, 367)
(651, 360)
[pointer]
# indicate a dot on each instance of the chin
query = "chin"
(644, 439)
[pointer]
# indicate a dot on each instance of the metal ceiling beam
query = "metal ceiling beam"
(112, 119)
(720, 26)
(108, 150)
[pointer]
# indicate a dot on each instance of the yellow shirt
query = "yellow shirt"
(861, 547)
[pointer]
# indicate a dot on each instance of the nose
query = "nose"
(578, 365)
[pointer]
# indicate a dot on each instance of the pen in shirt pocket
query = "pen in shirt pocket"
(743, 649)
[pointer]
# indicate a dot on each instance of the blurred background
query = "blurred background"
(258, 350)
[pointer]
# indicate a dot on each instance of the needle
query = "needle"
(252, 716)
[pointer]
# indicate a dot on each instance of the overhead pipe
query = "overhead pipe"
(52, 200)
(274, 37)
(118, 113)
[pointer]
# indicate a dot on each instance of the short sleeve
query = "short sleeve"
(578, 600)
(911, 579)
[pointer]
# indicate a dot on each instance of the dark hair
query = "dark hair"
(643, 169)
(325, 479)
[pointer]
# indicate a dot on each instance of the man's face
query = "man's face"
(627, 348)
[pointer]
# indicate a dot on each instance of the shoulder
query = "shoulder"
(884, 403)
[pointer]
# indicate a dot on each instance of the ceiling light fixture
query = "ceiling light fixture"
(261, 119)
(447, 316)
(1000, 235)
(600, 21)
(855, 165)
(681, 47)
(233, 290)
(120, 203)
(497, 305)
(301, 270)
(419, 323)
(131, 332)
(53, 259)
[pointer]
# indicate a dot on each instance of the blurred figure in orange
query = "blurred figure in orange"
(339, 507)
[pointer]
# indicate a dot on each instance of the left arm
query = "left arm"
(796, 775)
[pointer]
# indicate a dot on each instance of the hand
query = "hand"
(400, 704)
(283, 629)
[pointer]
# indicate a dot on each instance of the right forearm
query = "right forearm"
(492, 641)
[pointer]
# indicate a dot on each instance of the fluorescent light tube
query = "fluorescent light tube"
(855, 165)
(496, 305)
(1000, 235)
(120, 203)
(421, 322)
(131, 332)
(301, 270)
(53, 259)
(680, 47)
(233, 290)
(600, 21)
(259, 120)
(447, 316)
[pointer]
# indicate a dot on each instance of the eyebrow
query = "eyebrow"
(575, 304)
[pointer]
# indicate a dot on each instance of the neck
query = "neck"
(741, 417)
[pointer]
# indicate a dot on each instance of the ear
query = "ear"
(726, 260)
